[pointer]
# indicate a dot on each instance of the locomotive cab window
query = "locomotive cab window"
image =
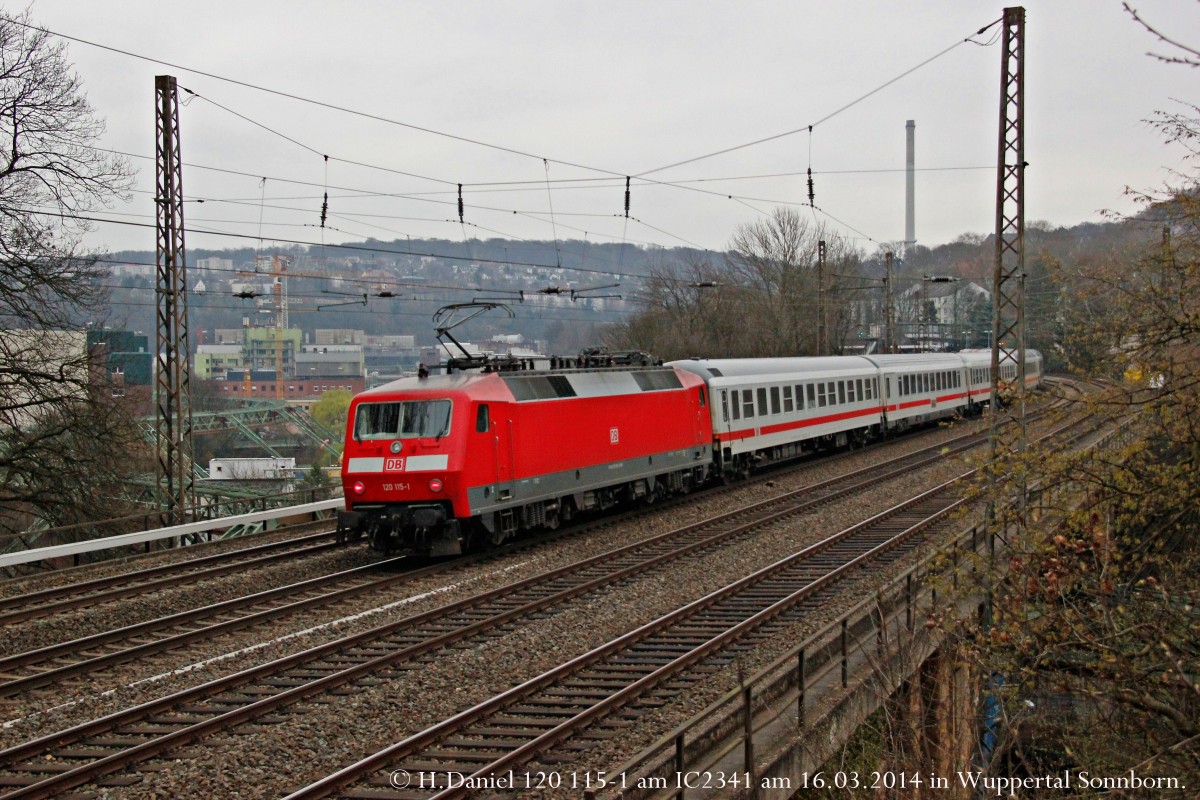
(410, 419)
(481, 418)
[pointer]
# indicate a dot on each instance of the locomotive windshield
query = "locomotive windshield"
(406, 420)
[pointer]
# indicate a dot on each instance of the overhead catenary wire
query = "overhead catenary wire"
(827, 117)
(347, 247)
(489, 145)
(503, 148)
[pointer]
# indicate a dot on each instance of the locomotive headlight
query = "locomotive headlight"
(435, 485)
(359, 487)
(396, 447)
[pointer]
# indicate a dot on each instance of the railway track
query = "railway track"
(44, 602)
(634, 672)
(595, 697)
(61, 665)
(50, 765)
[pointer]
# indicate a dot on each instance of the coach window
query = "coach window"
(481, 418)
(841, 393)
(762, 402)
(812, 396)
(821, 394)
(748, 403)
(774, 399)
(867, 389)
(858, 390)
(787, 400)
(737, 406)
(724, 405)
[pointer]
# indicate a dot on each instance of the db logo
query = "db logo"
(393, 465)
(613, 436)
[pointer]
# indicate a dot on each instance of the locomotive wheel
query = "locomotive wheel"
(475, 537)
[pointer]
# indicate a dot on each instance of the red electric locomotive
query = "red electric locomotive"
(450, 463)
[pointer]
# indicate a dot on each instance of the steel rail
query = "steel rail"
(129, 584)
(45, 677)
(82, 774)
(611, 570)
(415, 744)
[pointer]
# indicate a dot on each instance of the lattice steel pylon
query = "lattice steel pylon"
(172, 390)
(1008, 295)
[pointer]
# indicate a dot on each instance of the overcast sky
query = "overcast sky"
(621, 87)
